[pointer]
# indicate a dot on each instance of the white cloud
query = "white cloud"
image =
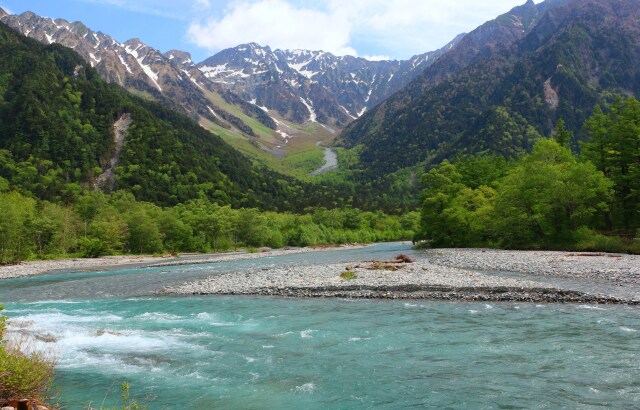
(276, 23)
(377, 57)
(378, 27)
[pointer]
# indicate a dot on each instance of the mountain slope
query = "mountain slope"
(56, 135)
(509, 89)
(269, 105)
(312, 86)
(171, 78)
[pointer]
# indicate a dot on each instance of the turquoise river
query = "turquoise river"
(275, 353)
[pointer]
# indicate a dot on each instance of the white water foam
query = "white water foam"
(627, 329)
(590, 307)
(158, 316)
(306, 334)
(93, 341)
(306, 388)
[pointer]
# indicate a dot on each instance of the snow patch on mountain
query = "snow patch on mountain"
(309, 104)
(265, 109)
(212, 72)
(124, 63)
(147, 69)
(94, 60)
(213, 112)
(192, 79)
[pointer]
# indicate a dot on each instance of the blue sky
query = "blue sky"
(376, 29)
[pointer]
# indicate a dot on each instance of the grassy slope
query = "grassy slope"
(299, 157)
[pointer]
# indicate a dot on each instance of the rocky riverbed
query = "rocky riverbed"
(426, 278)
(611, 267)
(30, 268)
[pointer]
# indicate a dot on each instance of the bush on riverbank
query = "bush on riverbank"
(23, 373)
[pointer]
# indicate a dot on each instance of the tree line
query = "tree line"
(98, 224)
(550, 198)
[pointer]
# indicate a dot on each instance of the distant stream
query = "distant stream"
(330, 162)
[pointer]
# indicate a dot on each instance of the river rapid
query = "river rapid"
(260, 352)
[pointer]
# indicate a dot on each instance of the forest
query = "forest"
(551, 198)
(99, 224)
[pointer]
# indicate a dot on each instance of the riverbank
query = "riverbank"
(611, 267)
(31, 268)
(429, 277)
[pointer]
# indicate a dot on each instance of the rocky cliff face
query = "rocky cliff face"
(171, 79)
(295, 85)
(317, 86)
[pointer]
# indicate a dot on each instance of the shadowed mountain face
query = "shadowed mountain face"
(507, 83)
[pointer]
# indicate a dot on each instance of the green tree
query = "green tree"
(563, 135)
(547, 197)
(16, 214)
(452, 213)
(614, 147)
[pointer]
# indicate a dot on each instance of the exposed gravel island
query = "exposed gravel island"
(613, 267)
(425, 278)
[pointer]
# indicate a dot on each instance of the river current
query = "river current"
(258, 352)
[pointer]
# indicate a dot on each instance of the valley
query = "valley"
(274, 106)
(282, 204)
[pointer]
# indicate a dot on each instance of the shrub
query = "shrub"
(23, 372)
(348, 275)
(588, 240)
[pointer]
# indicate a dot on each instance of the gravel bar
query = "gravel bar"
(419, 280)
(611, 267)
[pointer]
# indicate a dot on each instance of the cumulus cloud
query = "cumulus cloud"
(377, 57)
(399, 28)
(277, 23)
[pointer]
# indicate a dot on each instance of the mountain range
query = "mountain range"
(242, 90)
(303, 85)
(506, 84)
(494, 90)
(63, 127)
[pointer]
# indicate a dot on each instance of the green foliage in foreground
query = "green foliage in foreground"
(548, 199)
(99, 224)
(22, 375)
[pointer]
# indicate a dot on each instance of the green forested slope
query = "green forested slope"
(577, 55)
(56, 119)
